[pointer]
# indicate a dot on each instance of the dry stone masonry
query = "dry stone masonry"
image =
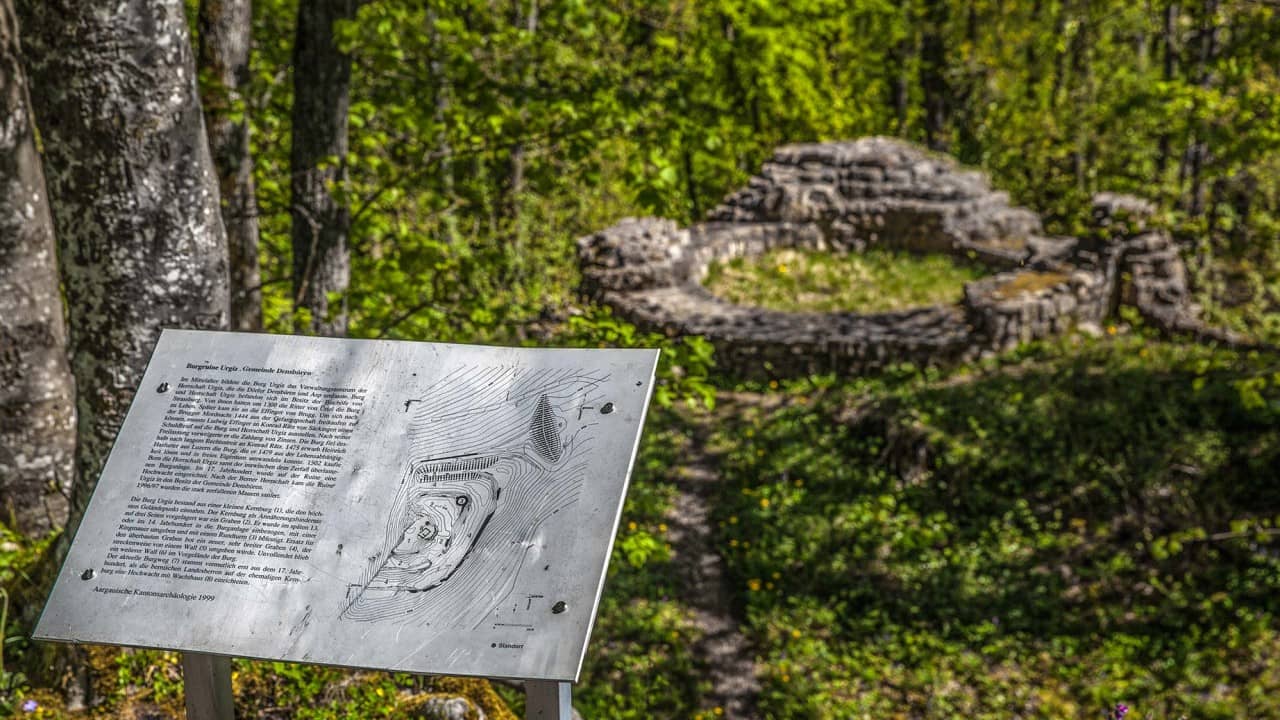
(848, 196)
(887, 192)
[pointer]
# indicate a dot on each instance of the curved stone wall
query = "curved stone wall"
(884, 191)
(848, 196)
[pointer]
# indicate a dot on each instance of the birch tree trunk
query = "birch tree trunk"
(37, 412)
(321, 222)
(225, 30)
(133, 193)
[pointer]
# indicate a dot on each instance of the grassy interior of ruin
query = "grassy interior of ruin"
(876, 280)
(1072, 524)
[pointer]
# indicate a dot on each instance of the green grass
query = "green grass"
(1093, 523)
(1071, 525)
(639, 664)
(874, 281)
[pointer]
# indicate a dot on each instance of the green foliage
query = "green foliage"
(640, 664)
(159, 672)
(307, 691)
(18, 556)
(485, 139)
(605, 110)
(873, 281)
(642, 667)
(1037, 536)
(1055, 535)
(317, 693)
(684, 366)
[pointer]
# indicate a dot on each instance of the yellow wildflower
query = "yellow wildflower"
(753, 585)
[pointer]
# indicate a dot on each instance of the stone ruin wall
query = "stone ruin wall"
(887, 192)
(848, 196)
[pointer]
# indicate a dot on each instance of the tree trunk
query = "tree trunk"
(1081, 48)
(225, 27)
(37, 411)
(1031, 60)
(1198, 152)
(933, 79)
(691, 187)
(440, 115)
(1060, 56)
(1169, 37)
(321, 221)
(899, 93)
(134, 199)
(135, 209)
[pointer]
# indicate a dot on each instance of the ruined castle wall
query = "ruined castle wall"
(845, 197)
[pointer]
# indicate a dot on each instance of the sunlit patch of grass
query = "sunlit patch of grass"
(877, 280)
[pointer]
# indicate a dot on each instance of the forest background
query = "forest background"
(453, 152)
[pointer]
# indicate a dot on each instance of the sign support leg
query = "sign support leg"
(208, 684)
(548, 700)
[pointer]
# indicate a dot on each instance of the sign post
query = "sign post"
(548, 700)
(413, 507)
(207, 681)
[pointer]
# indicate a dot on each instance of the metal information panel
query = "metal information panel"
(442, 509)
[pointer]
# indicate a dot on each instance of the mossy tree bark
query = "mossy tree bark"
(37, 412)
(321, 220)
(225, 28)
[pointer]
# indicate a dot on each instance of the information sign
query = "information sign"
(418, 507)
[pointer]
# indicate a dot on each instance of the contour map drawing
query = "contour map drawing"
(495, 452)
